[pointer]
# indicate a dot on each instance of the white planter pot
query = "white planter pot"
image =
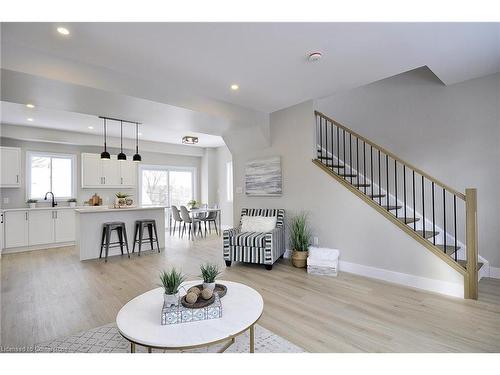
(171, 299)
(32, 205)
(72, 204)
(209, 286)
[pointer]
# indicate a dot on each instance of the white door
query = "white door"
(41, 227)
(16, 228)
(65, 225)
(111, 172)
(128, 171)
(10, 161)
(91, 170)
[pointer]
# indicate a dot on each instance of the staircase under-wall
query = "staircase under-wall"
(441, 218)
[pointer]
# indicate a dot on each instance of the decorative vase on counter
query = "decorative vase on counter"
(32, 205)
(72, 204)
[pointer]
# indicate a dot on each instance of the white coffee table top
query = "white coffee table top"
(139, 320)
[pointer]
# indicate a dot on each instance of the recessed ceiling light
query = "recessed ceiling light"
(63, 30)
(314, 56)
(234, 87)
(90, 127)
(29, 119)
(29, 105)
(189, 140)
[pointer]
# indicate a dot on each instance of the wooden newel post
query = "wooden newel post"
(471, 282)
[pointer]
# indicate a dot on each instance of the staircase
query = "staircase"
(441, 218)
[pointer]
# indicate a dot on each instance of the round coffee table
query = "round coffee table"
(139, 320)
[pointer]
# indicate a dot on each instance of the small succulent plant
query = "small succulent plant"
(209, 272)
(171, 280)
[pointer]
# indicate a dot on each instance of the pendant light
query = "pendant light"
(121, 155)
(105, 154)
(137, 157)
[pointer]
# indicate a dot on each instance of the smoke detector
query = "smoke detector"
(314, 56)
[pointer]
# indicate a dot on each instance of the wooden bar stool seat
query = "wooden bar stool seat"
(139, 234)
(107, 229)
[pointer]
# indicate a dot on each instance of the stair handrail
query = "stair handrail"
(393, 156)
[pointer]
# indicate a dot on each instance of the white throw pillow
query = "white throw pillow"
(258, 223)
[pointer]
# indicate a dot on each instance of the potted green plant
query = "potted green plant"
(72, 202)
(32, 202)
(192, 204)
(121, 199)
(209, 273)
(300, 239)
(171, 281)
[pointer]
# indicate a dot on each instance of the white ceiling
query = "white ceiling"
(268, 60)
(18, 114)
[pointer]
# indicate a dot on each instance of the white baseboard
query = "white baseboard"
(12, 250)
(494, 272)
(438, 286)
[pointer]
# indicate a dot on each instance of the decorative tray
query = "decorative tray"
(220, 289)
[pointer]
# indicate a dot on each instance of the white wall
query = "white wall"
(209, 177)
(224, 156)
(339, 218)
(451, 132)
(17, 196)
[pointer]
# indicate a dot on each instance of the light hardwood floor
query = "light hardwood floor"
(50, 293)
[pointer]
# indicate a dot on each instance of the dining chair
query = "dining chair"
(211, 217)
(176, 215)
(191, 221)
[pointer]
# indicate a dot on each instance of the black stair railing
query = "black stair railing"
(390, 170)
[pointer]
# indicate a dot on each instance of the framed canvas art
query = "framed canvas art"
(263, 177)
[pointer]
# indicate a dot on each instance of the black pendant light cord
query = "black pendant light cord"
(136, 138)
(121, 137)
(105, 135)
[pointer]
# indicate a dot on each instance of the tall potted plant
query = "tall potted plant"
(171, 281)
(300, 239)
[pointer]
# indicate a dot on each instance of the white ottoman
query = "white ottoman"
(323, 261)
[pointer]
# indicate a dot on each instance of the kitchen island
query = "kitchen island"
(89, 222)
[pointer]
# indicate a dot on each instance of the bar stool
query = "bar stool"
(139, 231)
(107, 229)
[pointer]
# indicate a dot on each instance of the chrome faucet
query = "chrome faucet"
(54, 203)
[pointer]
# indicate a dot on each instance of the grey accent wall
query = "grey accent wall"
(17, 196)
(451, 132)
(338, 218)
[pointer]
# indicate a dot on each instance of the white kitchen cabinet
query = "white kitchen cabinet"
(16, 228)
(128, 172)
(97, 173)
(41, 227)
(10, 163)
(64, 221)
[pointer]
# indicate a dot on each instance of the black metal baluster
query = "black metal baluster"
(364, 165)
(387, 181)
(396, 184)
(321, 139)
(433, 217)
(371, 169)
(414, 218)
(379, 182)
(331, 136)
(338, 148)
(350, 156)
(343, 149)
(455, 223)
(423, 208)
(357, 162)
(404, 187)
(444, 218)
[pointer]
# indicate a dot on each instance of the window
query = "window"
(229, 181)
(50, 172)
(162, 185)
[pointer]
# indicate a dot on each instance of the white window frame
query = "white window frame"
(51, 155)
(167, 168)
(229, 181)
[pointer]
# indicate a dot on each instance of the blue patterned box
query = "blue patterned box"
(181, 314)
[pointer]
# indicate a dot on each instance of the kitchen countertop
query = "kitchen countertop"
(40, 208)
(102, 209)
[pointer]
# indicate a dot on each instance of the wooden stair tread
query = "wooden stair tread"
(324, 157)
(408, 220)
(347, 175)
(391, 207)
(449, 249)
(337, 166)
(376, 195)
(463, 263)
(428, 233)
(361, 185)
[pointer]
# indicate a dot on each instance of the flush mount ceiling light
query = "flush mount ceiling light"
(105, 154)
(62, 30)
(189, 140)
(137, 157)
(234, 87)
(314, 56)
(90, 127)
(121, 155)
(29, 105)
(29, 119)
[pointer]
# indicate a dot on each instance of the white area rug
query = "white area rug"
(106, 339)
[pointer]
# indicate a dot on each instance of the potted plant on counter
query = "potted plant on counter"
(72, 202)
(121, 199)
(32, 203)
(171, 281)
(192, 204)
(209, 273)
(300, 239)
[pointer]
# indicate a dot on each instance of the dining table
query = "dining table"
(194, 212)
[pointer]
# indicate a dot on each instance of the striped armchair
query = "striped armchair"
(255, 247)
